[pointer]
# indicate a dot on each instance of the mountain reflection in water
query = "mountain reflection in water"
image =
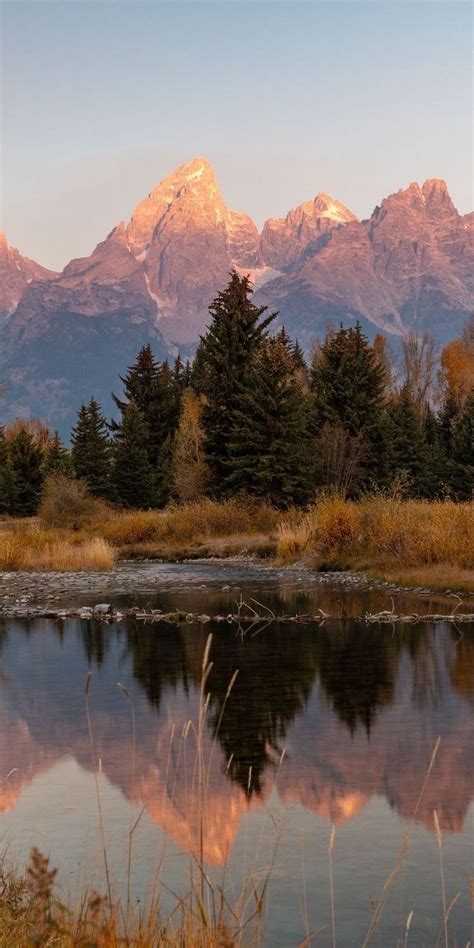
(357, 710)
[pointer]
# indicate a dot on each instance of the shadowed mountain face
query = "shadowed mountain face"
(357, 712)
(409, 266)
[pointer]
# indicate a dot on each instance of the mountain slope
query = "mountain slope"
(16, 272)
(188, 241)
(70, 337)
(409, 266)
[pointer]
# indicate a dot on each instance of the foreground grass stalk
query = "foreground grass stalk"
(132, 826)
(439, 843)
(331, 884)
(402, 856)
(97, 790)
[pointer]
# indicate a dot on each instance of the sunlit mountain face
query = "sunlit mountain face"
(408, 266)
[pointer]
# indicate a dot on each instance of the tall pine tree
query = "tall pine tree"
(156, 391)
(132, 472)
(269, 448)
(7, 492)
(26, 460)
(406, 442)
(223, 371)
(461, 463)
(90, 452)
(348, 382)
(57, 459)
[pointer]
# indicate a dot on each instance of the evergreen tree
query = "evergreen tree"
(222, 372)
(182, 374)
(26, 460)
(269, 454)
(347, 381)
(461, 464)
(132, 472)
(448, 417)
(7, 492)
(406, 441)
(57, 458)
(434, 477)
(90, 452)
(156, 390)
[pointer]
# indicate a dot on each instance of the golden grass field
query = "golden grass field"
(418, 543)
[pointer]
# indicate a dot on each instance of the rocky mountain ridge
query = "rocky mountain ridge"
(64, 336)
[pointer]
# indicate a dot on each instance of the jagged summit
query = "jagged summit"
(187, 240)
(193, 184)
(327, 207)
(409, 266)
(285, 240)
(16, 271)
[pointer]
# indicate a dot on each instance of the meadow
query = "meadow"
(410, 542)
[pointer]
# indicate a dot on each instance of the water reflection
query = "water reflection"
(357, 709)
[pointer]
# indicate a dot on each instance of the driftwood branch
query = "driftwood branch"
(246, 617)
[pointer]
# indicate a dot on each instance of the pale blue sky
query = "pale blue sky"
(102, 99)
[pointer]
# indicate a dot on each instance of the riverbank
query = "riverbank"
(408, 543)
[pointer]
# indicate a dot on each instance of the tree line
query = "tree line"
(251, 417)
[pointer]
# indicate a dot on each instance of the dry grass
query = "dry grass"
(43, 550)
(385, 534)
(30, 914)
(438, 576)
(406, 541)
(190, 523)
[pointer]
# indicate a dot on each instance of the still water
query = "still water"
(324, 725)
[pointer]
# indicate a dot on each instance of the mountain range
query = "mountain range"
(65, 336)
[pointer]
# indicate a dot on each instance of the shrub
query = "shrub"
(411, 532)
(67, 503)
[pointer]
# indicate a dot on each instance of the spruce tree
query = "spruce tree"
(406, 442)
(156, 390)
(7, 492)
(133, 481)
(434, 477)
(222, 373)
(26, 460)
(461, 464)
(57, 459)
(348, 381)
(269, 449)
(91, 449)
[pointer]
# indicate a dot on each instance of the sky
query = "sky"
(101, 99)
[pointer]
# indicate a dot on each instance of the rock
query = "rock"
(86, 612)
(103, 609)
